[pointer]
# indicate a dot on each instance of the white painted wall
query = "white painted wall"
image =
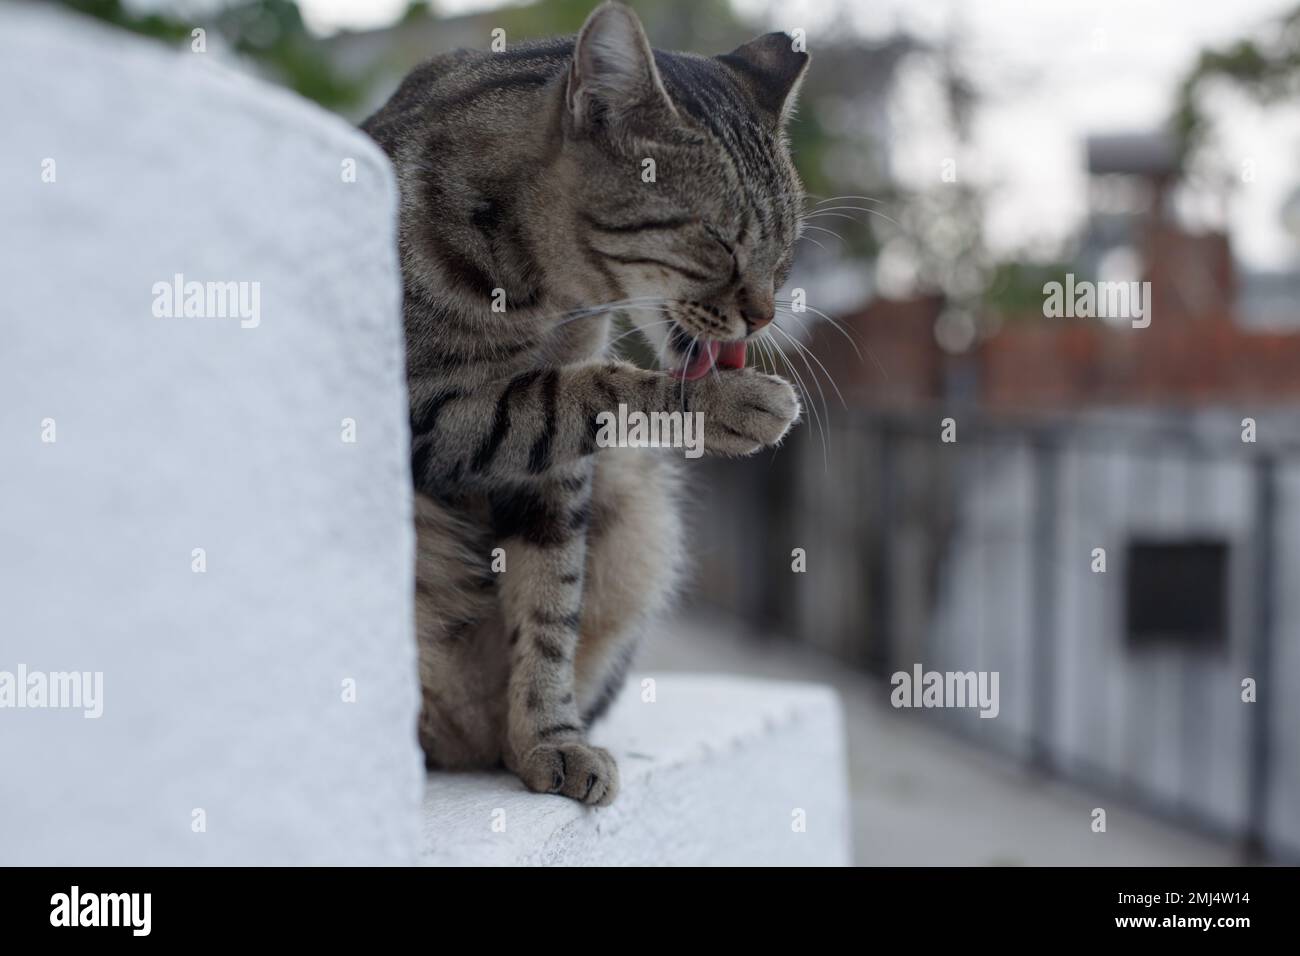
(221, 690)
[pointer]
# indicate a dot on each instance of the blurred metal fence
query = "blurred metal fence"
(978, 554)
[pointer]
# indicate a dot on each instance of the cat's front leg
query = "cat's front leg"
(543, 529)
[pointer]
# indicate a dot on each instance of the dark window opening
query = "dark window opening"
(1177, 592)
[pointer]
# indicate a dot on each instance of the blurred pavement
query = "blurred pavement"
(923, 797)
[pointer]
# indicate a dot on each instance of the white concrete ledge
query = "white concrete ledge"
(715, 771)
(184, 517)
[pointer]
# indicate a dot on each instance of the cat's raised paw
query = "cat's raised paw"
(575, 769)
(744, 411)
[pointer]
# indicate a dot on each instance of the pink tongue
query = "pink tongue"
(732, 355)
(700, 361)
(705, 355)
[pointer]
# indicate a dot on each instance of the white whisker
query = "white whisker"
(803, 388)
(804, 352)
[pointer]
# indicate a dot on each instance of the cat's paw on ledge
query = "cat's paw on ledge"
(715, 771)
(573, 769)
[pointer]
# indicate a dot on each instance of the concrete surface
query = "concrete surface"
(923, 797)
(713, 771)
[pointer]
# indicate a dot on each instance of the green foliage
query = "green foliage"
(1015, 289)
(1267, 69)
(547, 18)
(415, 10)
(702, 26)
(810, 143)
(272, 33)
(269, 32)
(147, 24)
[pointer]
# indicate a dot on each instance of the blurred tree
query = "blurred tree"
(1266, 68)
(270, 33)
(115, 12)
(934, 242)
(1015, 289)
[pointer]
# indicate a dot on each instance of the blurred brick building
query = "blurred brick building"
(1198, 350)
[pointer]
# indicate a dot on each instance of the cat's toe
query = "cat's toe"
(587, 774)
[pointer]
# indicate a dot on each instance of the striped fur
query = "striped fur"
(524, 205)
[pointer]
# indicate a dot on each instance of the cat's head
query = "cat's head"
(686, 196)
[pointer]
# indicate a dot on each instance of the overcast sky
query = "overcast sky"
(1052, 72)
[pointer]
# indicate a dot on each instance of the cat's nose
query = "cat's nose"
(757, 306)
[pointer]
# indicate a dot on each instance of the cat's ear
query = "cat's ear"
(772, 69)
(613, 75)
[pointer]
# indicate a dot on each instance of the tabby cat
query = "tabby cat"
(527, 199)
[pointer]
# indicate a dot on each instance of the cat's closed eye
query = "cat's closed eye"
(716, 233)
